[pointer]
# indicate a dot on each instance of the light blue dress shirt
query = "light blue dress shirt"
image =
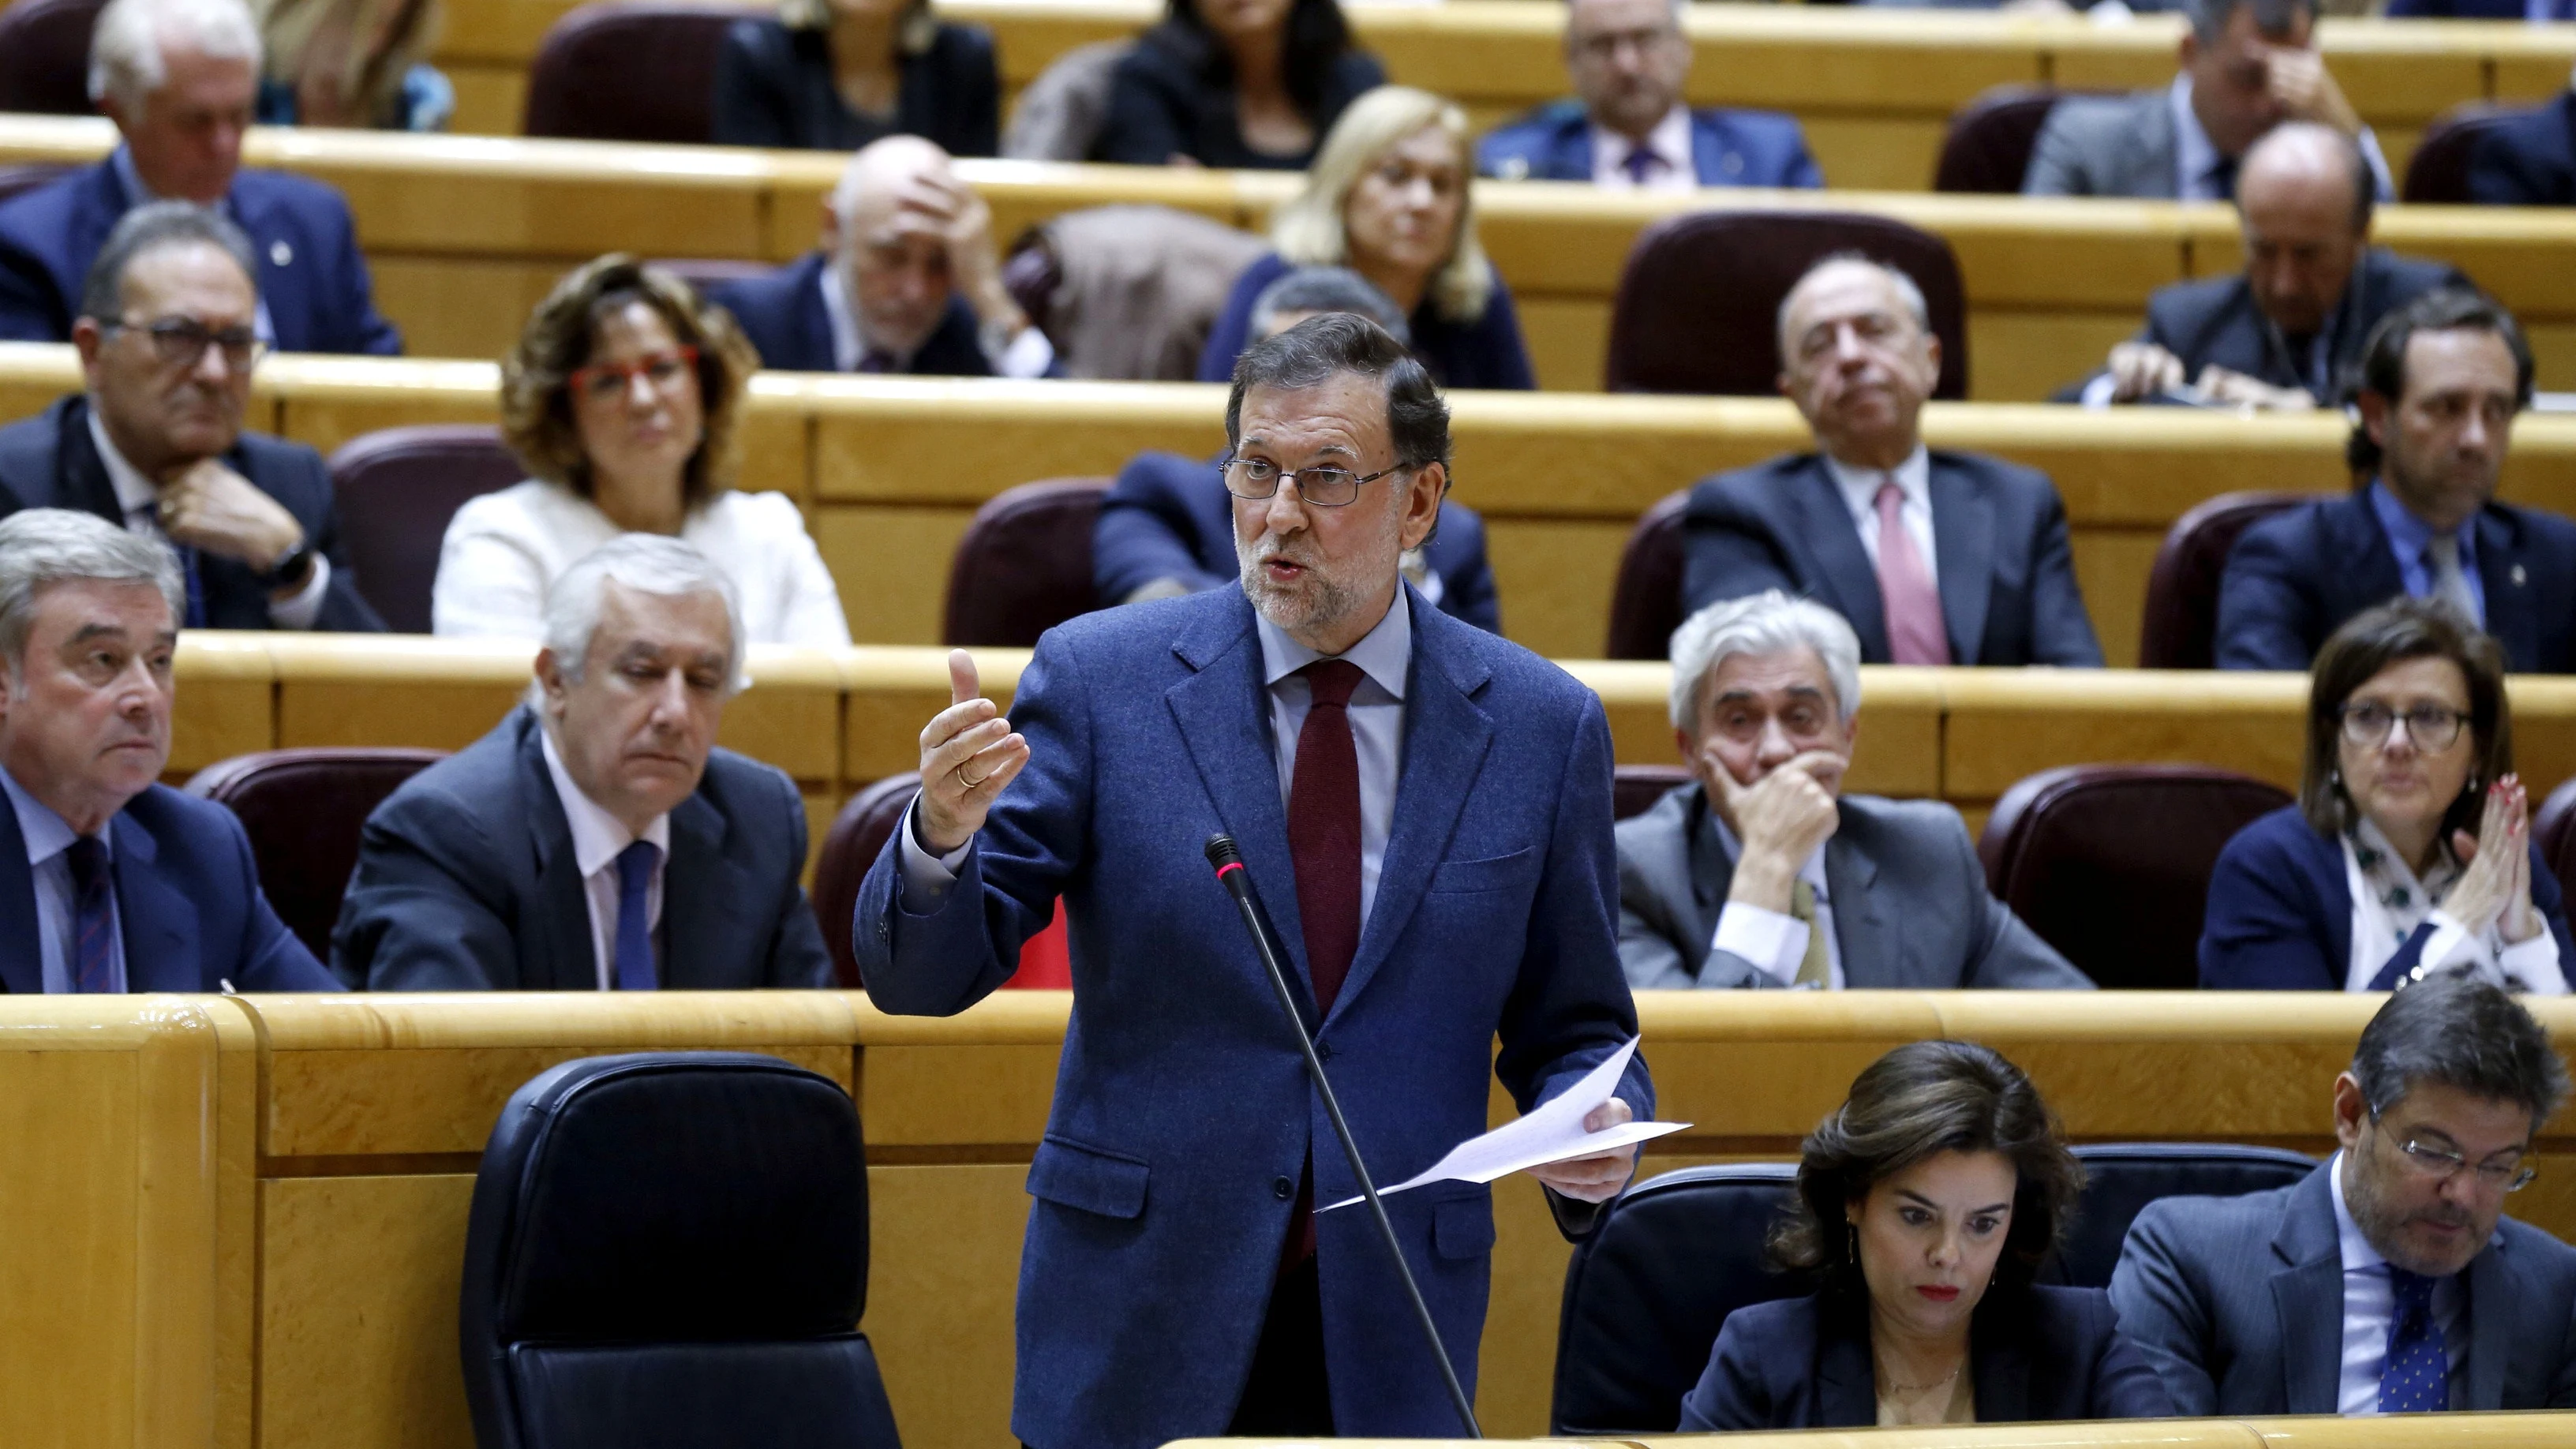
(2368, 1300)
(48, 836)
(2407, 537)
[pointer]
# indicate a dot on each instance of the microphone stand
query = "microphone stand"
(1228, 860)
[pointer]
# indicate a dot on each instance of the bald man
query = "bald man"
(905, 281)
(2282, 334)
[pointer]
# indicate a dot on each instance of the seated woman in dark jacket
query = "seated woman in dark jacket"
(1925, 1204)
(1390, 197)
(2410, 851)
(1236, 84)
(834, 75)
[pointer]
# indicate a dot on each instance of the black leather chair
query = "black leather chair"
(1024, 565)
(1990, 140)
(395, 490)
(44, 55)
(2438, 173)
(669, 1250)
(1646, 599)
(858, 833)
(2181, 626)
(2553, 829)
(630, 70)
(303, 810)
(1634, 789)
(2121, 1178)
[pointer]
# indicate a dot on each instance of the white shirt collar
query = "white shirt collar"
(46, 833)
(1860, 485)
(1384, 653)
(2194, 153)
(847, 345)
(1670, 141)
(597, 836)
(134, 492)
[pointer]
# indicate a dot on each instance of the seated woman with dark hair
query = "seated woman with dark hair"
(1238, 84)
(1925, 1205)
(2409, 853)
(835, 75)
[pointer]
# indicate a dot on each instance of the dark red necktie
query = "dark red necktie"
(1324, 844)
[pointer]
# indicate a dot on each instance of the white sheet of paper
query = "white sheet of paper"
(1552, 1133)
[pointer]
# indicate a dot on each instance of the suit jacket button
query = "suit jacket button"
(1282, 1189)
(1323, 1051)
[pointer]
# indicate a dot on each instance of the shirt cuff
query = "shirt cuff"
(2533, 965)
(2450, 944)
(1029, 355)
(926, 877)
(1775, 944)
(300, 612)
(2097, 393)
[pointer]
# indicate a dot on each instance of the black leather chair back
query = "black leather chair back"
(2553, 829)
(670, 1249)
(858, 835)
(1646, 598)
(395, 490)
(2180, 630)
(1024, 565)
(1634, 789)
(44, 55)
(1990, 140)
(2438, 173)
(630, 70)
(2123, 1177)
(303, 810)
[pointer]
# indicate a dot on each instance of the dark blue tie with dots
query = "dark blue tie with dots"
(2417, 1379)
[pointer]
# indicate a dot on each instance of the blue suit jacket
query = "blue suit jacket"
(1168, 517)
(1728, 148)
(1182, 1114)
(2280, 912)
(2456, 10)
(1797, 1364)
(1999, 544)
(2238, 1304)
(467, 881)
(782, 313)
(187, 895)
(2294, 578)
(2530, 160)
(1487, 352)
(311, 276)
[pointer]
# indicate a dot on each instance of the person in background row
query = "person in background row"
(1631, 130)
(1167, 525)
(109, 880)
(2538, 12)
(1235, 84)
(905, 280)
(2389, 1281)
(1935, 558)
(1950, 1183)
(2529, 159)
(622, 399)
(2247, 66)
(2284, 333)
(2409, 853)
(154, 443)
(1761, 872)
(357, 63)
(837, 75)
(180, 79)
(1391, 197)
(2440, 382)
(596, 840)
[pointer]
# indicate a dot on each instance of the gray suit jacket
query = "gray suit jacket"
(1910, 906)
(2238, 1302)
(2105, 146)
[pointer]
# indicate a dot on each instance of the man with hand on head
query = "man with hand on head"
(155, 443)
(1425, 810)
(109, 880)
(905, 281)
(2389, 1280)
(596, 840)
(1810, 887)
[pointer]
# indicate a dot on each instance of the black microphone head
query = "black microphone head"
(1221, 851)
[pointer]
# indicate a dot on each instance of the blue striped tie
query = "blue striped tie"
(634, 926)
(93, 917)
(2417, 1378)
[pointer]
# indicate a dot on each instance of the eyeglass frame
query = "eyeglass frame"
(2344, 713)
(251, 349)
(2429, 1162)
(1295, 477)
(685, 353)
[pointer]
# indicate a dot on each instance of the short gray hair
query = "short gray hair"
(125, 45)
(2272, 17)
(41, 547)
(149, 228)
(647, 563)
(1328, 289)
(2465, 1034)
(1906, 292)
(1769, 622)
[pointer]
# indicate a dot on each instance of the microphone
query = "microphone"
(1230, 873)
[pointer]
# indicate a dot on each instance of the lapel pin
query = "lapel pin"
(279, 254)
(2517, 576)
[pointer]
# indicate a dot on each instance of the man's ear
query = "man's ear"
(2351, 1110)
(1422, 504)
(550, 679)
(831, 232)
(87, 339)
(2374, 416)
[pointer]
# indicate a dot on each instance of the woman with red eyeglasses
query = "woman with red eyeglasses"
(622, 399)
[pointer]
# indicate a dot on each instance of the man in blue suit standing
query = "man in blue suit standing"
(1426, 809)
(109, 880)
(1630, 130)
(180, 79)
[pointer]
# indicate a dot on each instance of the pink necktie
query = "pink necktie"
(1914, 631)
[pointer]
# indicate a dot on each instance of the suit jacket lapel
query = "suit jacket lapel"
(1999, 1368)
(2500, 569)
(160, 924)
(1870, 953)
(700, 888)
(1963, 544)
(1223, 712)
(2307, 1298)
(1712, 876)
(22, 962)
(1850, 585)
(563, 954)
(80, 474)
(1846, 1385)
(2367, 562)
(2495, 1301)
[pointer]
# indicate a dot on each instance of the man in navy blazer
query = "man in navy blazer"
(905, 281)
(1630, 130)
(1425, 810)
(109, 880)
(1934, 557)
(2388, 1280)
(2439, 386)
(181, 80)
(2530, 159)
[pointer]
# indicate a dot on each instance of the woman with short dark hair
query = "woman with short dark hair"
(1925, 1206)
(1239, 84)
(2409, 853)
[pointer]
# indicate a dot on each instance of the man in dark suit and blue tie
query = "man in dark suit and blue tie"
(181, 79)
(1425, 809)
(1934, 557)
(109, 880)
(2388, 1281)
(1630, 129)
(2440, 382)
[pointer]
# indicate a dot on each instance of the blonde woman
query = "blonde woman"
(622, 398)
(835, 75)
(1390, 198)
(361, 64)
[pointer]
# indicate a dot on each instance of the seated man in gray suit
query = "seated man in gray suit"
(2388, 1280)
(2247, 66)
(1760, 872)
(596, 840)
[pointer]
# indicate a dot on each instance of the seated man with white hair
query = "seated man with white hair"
(180, 78)
(1809, 887)
(596, 840)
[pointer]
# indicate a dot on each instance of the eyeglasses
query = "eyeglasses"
(609, 381)
(182, 341)
(1323, 487)
(2430, 726)
(2441, 1164)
